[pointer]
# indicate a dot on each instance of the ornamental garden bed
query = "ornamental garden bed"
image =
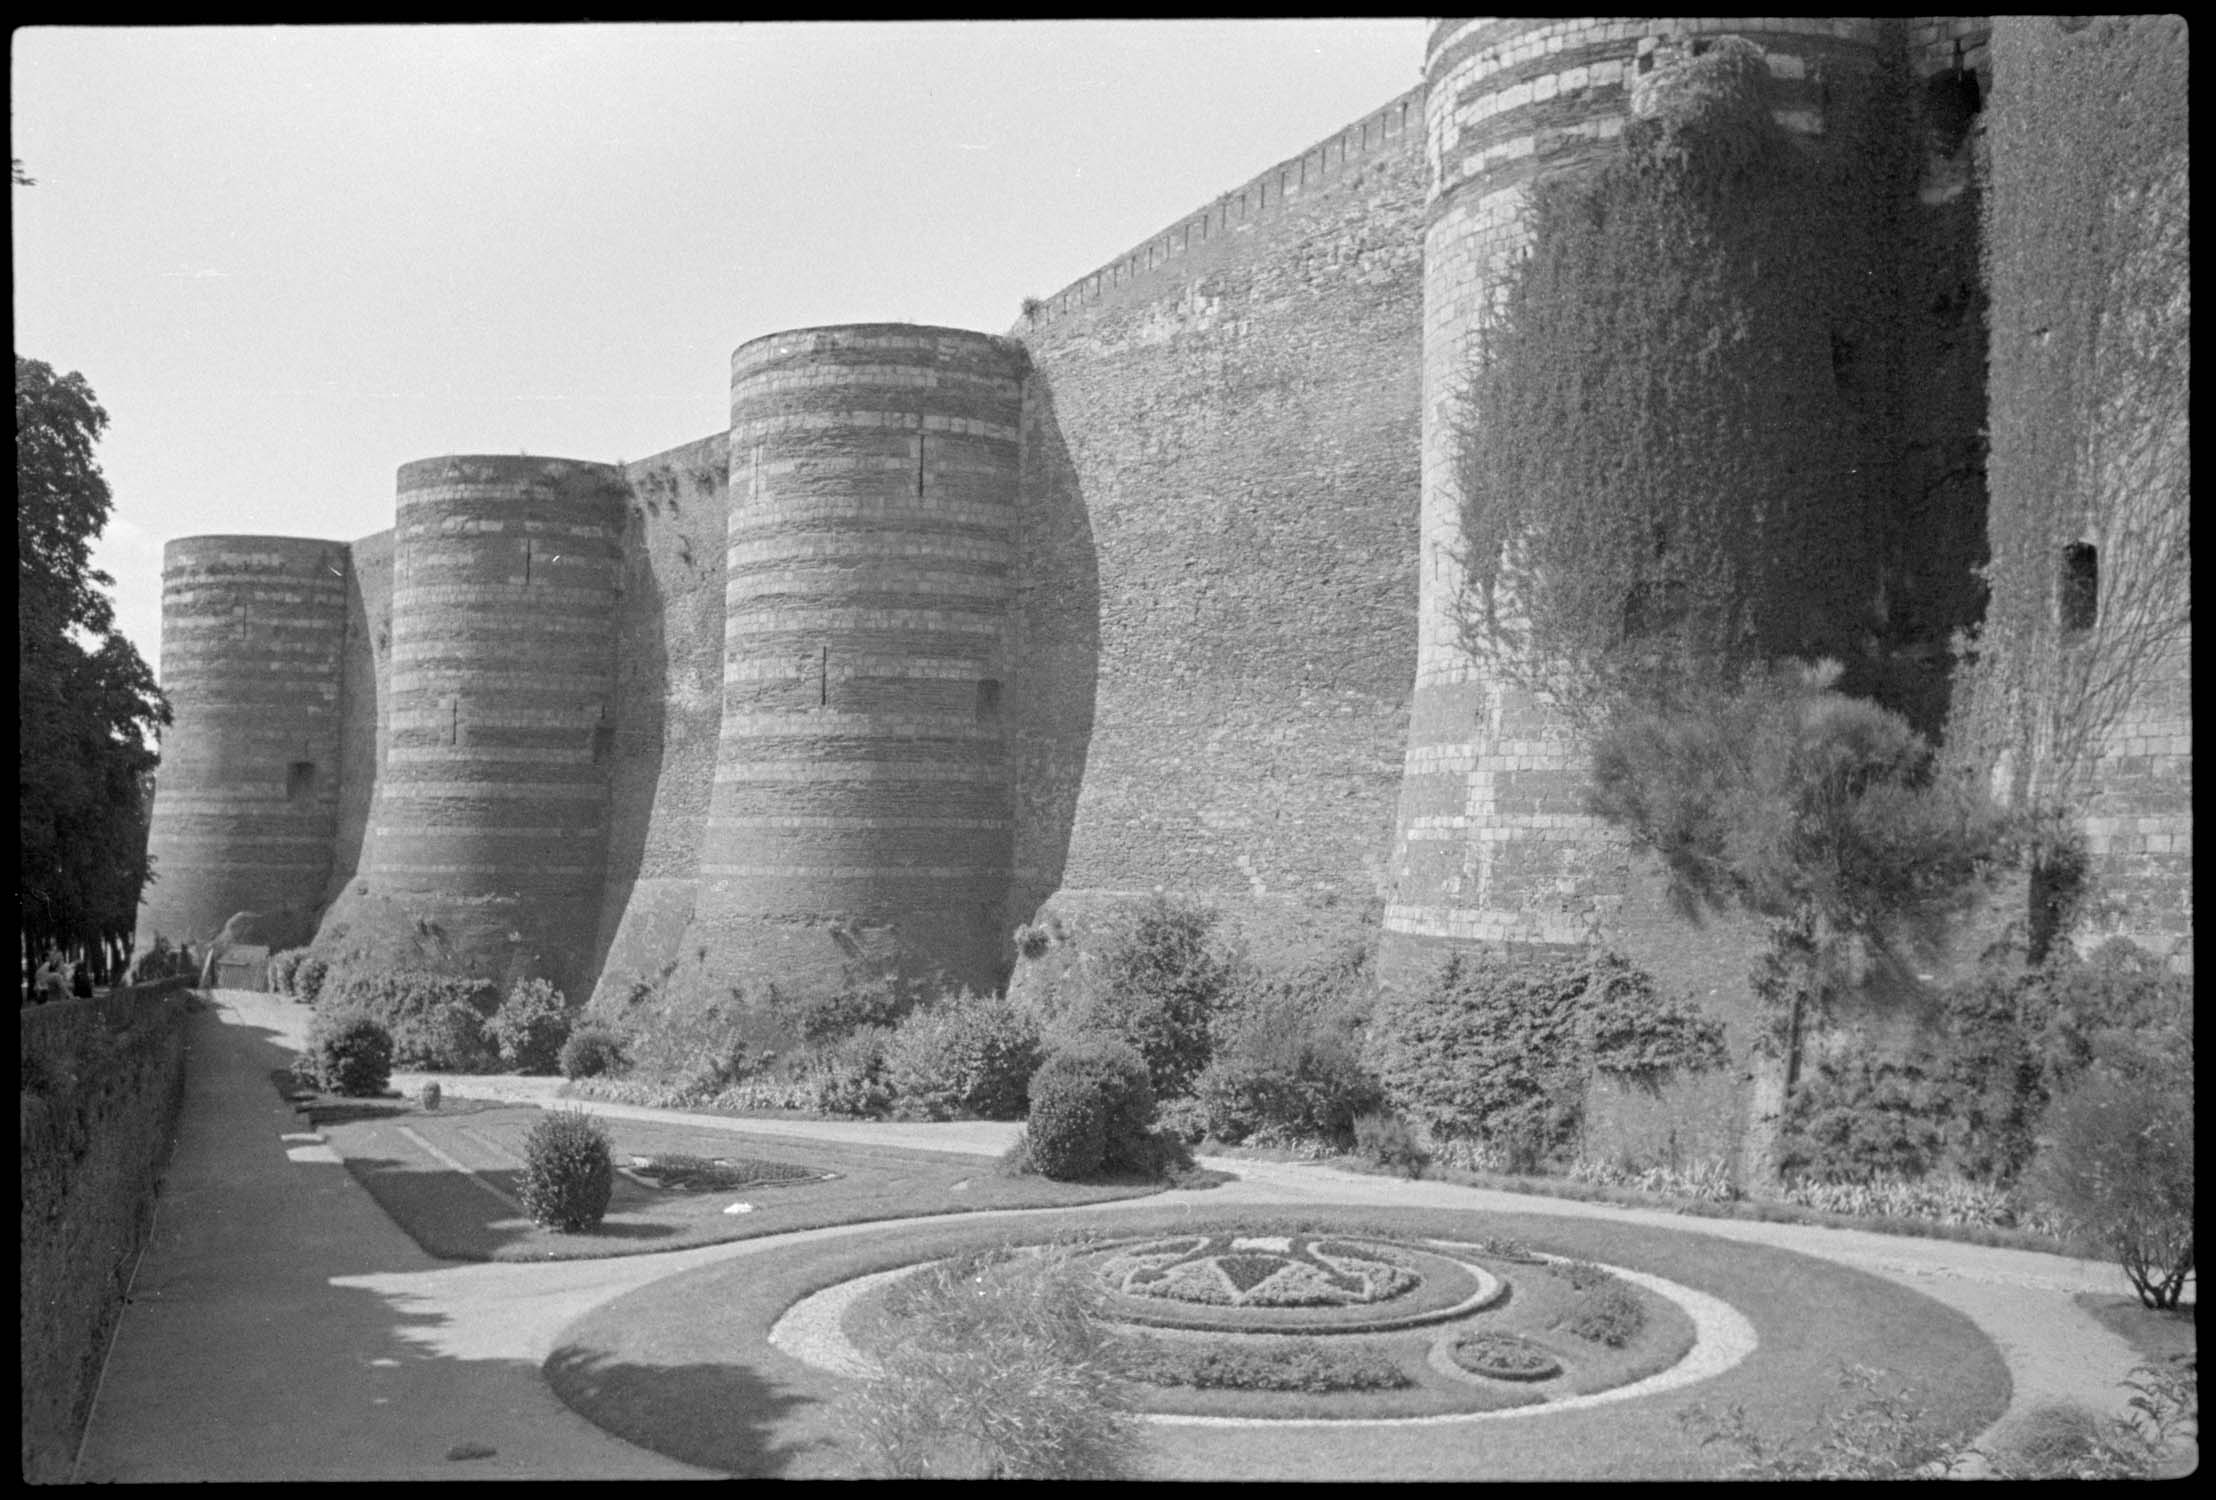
(686, 1366)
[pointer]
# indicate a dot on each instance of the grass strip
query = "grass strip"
(431, 1172)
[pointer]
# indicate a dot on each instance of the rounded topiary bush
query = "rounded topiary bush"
(591, 1052)
(352, 1054)
(568, 1171)
(1091, 1107)
(530, 1027)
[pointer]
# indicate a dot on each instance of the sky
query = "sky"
(290, 259)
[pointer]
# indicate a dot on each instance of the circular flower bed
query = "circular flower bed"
(1503, 1356)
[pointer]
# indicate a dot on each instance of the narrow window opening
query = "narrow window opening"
(2081, 587)
(526, 563)
(1700, 49)
(300, 781)
(922, 442)
(1646, 62)
(823, 677)
(988, 699)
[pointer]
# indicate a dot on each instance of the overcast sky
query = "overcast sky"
(290, 259)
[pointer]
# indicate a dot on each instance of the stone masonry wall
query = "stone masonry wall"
(667, 707)
(1214, 626)
(252, 633)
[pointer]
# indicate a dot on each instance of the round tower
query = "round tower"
(247, 795)
(487, 833)
(1493, 845)
(861, 805)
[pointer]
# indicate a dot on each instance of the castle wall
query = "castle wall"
(2089, 223)
(365, 697)
(667, 707)
(487, 832)
(860, 804)
(1214, 625)
(252, 633)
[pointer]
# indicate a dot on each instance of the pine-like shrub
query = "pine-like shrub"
(568, 1171)
(1091, 1109)
(592, 1052)
(352, 1053)
(1859, 1120)
(966, 1056)
(530, 1027)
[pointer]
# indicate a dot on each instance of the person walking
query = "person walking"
(48, 983)
(80, 981)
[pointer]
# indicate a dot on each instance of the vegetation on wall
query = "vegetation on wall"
(1502, 1048)
(1678, 450)
(2086, 241)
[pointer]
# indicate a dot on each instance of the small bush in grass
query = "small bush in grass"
(847, 1077)
(1091, 1108)
(968, 1055)
(2159, 1439)
(1607, 1314)
(1386, 1140)
(352, 1053)
(530, 1027)
(568, 1171)
(1001, 1371)
(592, 1052)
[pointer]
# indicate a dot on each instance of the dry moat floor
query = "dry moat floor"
(720, 1323)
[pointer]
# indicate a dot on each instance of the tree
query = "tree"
(86, 703)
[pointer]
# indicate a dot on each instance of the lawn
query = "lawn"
(684, 1366)
(450, 1178)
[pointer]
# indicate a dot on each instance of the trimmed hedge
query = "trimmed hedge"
(1091, 1106)
(102, 1084)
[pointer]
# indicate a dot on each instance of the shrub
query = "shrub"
(449, 1038)
(969, 1055)
(568, 1171)
(1091, 1107)
(309, 976)
(591, 1052)
(2118, 1163)
(848, 1076)
(1387, 1140)
(880, 1001)
(1161, 979)
(1304, 1364)
(1489, 1051)
(1001, 1371)
(1880, 1432)
(530, 1027)
(1857, 1120)
(1608, 1313)
(352, 1053)
(398, 996)
(1304, 1087)
(281, 967)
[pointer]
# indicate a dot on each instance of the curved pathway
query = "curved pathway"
(282, 1327)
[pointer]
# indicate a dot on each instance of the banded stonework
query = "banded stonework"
(946, 630)
(252, 631)
(861, 783)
